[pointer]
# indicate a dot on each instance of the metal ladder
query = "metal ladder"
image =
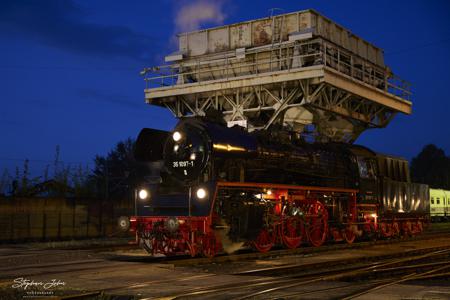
(277, 29)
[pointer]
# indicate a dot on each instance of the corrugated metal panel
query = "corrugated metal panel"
(337, 34)
(290, 24)
(362, 49)
(306, 20)
(197, 43)
(262, 32)
(380, 57)
(353, 44)
(218, 40)
(331, 31)
(345, 40)
(241, 35)
(372, 55)
(403, 197)
(182, 42)
(259, 32)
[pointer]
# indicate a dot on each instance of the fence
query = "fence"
(45, 219)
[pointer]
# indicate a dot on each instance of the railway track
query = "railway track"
(269, 283)
(413, 265)
(87, 264)
(266, 280)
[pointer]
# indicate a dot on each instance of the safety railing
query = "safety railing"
(277, 58)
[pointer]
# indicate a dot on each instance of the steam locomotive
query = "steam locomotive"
(208, 188)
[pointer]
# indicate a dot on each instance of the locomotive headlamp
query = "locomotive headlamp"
(192, 157)
(176, 136)
(201, 193)
(143, 194)
(269, 192)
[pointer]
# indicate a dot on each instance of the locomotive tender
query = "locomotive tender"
(210, 188)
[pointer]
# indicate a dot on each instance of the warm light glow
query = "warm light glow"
(269, 192)
(192, 157)
(373, 215)
(175, 148)
(227, 147)
(143, 194)
(176, 136)
(201, 193)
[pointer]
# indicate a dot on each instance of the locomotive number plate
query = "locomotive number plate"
(183, 164)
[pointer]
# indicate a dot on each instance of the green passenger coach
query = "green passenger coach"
(439, 204)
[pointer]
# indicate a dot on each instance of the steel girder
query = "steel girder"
(336, 113)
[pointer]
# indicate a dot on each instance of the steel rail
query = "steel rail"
(290, 281)
(409, 277)
(351, 273)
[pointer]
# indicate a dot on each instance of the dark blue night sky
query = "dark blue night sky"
(69, 70)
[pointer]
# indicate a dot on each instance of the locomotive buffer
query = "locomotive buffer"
(300, 71)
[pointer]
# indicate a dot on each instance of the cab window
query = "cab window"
(366, 169)
(438, 201)
(432, 200)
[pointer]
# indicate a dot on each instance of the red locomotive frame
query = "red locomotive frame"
(197, 235)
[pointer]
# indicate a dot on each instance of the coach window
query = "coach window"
(438, 201)
(432, 200)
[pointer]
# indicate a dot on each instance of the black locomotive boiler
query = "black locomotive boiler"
(208, 188)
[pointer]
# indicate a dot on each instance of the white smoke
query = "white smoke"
(192, 14)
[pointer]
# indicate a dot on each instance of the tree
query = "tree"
(23, 185)
(112, 172)
(431, 166)
(5, 183)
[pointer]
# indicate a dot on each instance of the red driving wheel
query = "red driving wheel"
(317, 223)
(264, 241)
(292, 231)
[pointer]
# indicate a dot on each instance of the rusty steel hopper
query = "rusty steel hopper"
(299, 70)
